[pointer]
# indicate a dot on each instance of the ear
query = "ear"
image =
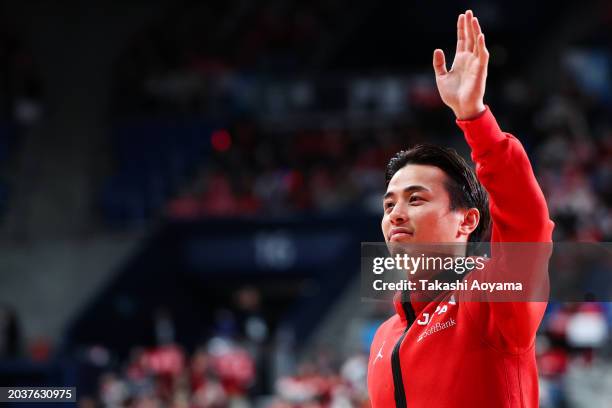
(469, 222)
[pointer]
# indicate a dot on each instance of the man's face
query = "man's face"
(417, 208)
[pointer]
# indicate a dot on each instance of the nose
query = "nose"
(398, 214)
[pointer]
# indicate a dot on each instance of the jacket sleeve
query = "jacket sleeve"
(519, 214)
(517, 205)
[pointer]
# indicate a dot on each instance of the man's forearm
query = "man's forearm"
(518, 208)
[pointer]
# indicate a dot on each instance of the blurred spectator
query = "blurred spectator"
(254, 328)
(10, 337)
(164, 326)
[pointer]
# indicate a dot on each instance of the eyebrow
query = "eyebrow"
(409, 189)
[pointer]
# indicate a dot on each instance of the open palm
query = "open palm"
(462, 88)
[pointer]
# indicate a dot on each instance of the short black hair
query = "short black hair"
(464, 189)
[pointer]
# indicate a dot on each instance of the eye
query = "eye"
(388, 206)
(415, 199)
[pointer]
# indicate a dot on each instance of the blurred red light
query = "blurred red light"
(221, 140)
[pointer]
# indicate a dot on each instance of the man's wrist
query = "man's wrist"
(472, 113)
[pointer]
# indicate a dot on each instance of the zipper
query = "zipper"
(398, 382)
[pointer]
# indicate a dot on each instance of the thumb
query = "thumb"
(439, 62)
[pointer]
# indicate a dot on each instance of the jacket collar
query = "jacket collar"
(409, 304)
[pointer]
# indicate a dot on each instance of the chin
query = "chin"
(402, 240)
(402, 246)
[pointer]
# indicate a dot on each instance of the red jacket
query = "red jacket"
(474, 354)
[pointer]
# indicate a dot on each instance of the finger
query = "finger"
(439, 62)
(461, 33)
(469, 34)
(483, 53)
(476, 30)
(476, 27)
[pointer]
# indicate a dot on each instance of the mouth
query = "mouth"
(400, 234)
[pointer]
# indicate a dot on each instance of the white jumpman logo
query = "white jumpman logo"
(379, 355)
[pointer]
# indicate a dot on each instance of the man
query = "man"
(483, 354)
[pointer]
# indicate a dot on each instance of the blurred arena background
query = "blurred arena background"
(184, 187)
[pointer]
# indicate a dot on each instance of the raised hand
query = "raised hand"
(462, 88)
